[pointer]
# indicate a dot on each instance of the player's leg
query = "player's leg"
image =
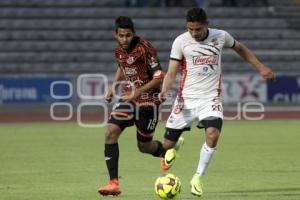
(212, 131)
(178, 122)
(172, 143)
(147, 145)
(146, 121)
(118, 121)
(173, 138)
(111, 155)
(210, 115)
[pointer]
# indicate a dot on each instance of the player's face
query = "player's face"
(124, 37)
(197, 30)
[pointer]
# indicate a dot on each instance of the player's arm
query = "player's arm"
(154, 83)
(169, 78)
(154, 70)
(118, 77)
(247, 54)
(176, 56)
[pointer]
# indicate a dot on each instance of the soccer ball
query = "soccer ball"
(167, 186)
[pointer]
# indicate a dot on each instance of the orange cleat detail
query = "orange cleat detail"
(163, 165)
(112, 188)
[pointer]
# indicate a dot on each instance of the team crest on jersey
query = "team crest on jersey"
(206, 60)
(177, 110)
(214, 42)
(179, 106)
(130, 60)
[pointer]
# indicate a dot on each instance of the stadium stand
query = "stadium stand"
(76, 36)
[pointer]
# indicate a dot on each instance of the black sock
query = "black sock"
(160, 152)
(111, 154)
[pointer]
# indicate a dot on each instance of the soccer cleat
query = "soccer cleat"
(170, 155)
(112, 188)
(196, 185)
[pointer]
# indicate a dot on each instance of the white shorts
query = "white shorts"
(183, 118)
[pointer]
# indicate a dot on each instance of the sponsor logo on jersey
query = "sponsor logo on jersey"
(206, 60)
(130, 71)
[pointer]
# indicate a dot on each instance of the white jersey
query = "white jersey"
(201, 63)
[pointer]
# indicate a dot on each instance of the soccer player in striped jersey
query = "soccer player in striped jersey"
(141, 71)
(197, 54)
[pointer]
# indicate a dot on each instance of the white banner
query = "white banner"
(235, 88)
(243, 88)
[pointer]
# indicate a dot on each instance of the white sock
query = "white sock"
(206, 155)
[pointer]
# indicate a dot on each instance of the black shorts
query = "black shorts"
(174, 134)
(145, 118)
(211, 122)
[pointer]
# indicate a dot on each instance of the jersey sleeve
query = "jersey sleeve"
(229, 40)
(154, 67)
(176, 52)
(117, 56)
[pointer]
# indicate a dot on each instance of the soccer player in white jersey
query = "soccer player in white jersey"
(197, 54)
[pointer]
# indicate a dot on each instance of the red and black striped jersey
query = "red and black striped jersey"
(140, 65)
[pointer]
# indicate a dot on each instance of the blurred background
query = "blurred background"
(57, 59)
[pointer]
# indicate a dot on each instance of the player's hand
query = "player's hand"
(162, 96)
(267, 73)
(109, 95)
(129, 96)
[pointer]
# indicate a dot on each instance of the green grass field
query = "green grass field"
(56, 161)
